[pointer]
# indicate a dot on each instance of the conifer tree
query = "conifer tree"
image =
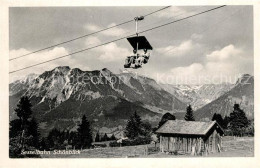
(238, 121)
(23, 110)
(146, 129)
(54, 139)
(133, 127)
(113, 137)
(225, 122)
(23, 133)
(73, 140)
(85, 134)
(218, 118)
(189, 114)
(166, 117)
(34, 132)
(42, 145)
(97, 138)
(104, 138)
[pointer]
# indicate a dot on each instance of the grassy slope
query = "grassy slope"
(238, 147)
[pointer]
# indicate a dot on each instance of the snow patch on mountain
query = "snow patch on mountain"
(197, 95)
(242, 93)
(94, 95)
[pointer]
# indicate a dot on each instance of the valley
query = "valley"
(61, 96)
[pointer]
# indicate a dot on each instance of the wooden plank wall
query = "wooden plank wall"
(212, 143)
(195, 146)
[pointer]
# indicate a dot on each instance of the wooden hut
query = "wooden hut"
(192, 137)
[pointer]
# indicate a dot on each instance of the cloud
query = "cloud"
(228, 52)
(116, 31)
(198, 73)
(174, 11)
(38, 58)
(92, 27)
(220, 66)
(112, 52)
(93, 40)
(196, 36)
(192, 69)
(178, 50)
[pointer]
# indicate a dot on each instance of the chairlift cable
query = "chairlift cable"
(166, 24)
(86, 35)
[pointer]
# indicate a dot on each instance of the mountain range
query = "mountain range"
(241, 93)
(61, 96)
(198, 95)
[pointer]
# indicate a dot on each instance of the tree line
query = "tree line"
(105, 137)
(24, 132)
(236, 124)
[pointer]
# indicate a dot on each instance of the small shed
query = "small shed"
(192, 137)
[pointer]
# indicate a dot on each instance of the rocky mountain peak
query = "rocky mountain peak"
(28, 78)
(64, 94)
(62, 68)
(105, 69)
(76, 71)
(245, 79)
(106, 72)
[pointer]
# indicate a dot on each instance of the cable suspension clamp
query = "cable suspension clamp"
(138, 18)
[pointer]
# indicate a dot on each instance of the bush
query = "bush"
(141, 141)
(100, 145)
(132, 142)
(228, 132)
(114, 144)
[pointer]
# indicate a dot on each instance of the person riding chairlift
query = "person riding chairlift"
(142, 59)
(137, 59)
(146, 56)
(131, 59)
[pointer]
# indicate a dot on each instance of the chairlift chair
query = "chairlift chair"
(138, 43)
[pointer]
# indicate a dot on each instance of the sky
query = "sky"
(214, 47)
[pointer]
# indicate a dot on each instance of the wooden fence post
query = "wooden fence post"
(160, 143)
(199, 148)
(219, 149)
(206, 149)
(146, 149)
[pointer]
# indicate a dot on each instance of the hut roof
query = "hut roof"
(186, 127)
